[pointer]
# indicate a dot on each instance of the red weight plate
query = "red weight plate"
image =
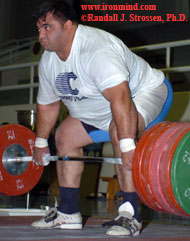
(168, 155)
(146, 164)
(15, 181)
(136, 173)
(144, 143)
(155, 169)
(136, 170)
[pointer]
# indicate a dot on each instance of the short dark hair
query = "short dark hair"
(60, 10)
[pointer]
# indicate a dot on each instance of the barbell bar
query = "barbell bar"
(69, 158)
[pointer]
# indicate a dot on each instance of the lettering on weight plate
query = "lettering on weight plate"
(1, 177)
(186, 157)
(34, 166)
(11, 134)
(19, 184)
(187, 193)
(31, 144)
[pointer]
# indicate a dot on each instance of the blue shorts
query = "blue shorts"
(98, 135)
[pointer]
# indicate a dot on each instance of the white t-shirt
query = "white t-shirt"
(98, 60)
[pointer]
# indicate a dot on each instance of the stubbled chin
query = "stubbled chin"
(47, 48)
(44, 45)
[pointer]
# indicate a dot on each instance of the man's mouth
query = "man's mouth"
(43, 43)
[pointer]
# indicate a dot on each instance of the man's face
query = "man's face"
(51, 33)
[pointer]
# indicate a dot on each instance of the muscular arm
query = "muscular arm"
(123, 110)
(46, 118)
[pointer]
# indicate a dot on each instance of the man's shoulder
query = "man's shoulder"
(95, 40)
(91, 32)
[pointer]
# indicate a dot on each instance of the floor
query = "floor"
(95, 211)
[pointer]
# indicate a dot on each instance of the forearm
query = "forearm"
(46, 118)
(125, 117)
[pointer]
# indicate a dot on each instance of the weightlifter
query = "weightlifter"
(111, 94)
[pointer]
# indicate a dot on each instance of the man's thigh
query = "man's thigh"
(96, 134)
(71, 134)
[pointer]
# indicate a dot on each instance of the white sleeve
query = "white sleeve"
(46, 94)
(108, 69)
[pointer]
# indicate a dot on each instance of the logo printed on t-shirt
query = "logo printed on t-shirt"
(63, 85)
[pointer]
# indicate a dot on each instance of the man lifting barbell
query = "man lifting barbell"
(111, 94)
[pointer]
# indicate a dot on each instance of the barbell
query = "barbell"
(67, 158)
(161, 165)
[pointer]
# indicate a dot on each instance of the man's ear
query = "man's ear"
(68, 25)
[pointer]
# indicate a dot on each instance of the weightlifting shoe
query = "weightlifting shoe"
(55, 219)
(125, 223)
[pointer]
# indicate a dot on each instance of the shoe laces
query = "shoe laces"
(50, 215)
(127, 222)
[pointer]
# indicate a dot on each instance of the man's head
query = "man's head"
(56, 22)
(60, 9)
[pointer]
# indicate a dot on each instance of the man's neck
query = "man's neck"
(65, 52)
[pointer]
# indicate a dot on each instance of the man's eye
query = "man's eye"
(47, 27)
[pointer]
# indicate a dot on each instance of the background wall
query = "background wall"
(9, 114)
(7, 18)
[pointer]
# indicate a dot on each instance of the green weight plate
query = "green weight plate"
(180, 173)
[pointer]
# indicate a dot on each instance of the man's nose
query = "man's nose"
(41, 33)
